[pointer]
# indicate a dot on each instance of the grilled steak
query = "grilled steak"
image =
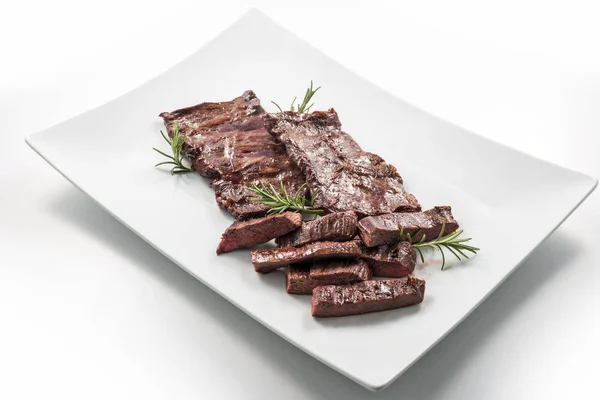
(385, 229)
(393, 261)
(302, 279)
(258, 230)
(228, 143)
(341, 175)
(367, 296)
(336, 227)
(267, 260)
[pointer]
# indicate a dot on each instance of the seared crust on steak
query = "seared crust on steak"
(393, 261)
(255, 231)
(367, 296)
(228, 143)
(303, 278)
(341, 176)
(267, 260)
(336, 227)
(385, 229)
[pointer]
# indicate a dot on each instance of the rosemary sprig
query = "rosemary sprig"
(282, 201)
(451, 242)
(176, 159)
(303, 107)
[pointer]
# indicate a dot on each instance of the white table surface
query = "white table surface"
(89, 311)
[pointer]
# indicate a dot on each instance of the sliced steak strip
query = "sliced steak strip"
(228, 143)
(258, 230)
(336, 227)
(393, 261)
(367, 296)
(302, 279)
(341, 175)
(267, 260)
(385, 229)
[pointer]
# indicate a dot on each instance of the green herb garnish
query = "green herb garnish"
(451, 242)
(303, 107)
(281, 201)
(176, 159)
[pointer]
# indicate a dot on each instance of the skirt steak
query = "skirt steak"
(336, 227)
(228, 143)
(393, 261)
(255, 231)
(341, 176)
(267, 260)
(385, 229)
(367, 296)
(302, 279)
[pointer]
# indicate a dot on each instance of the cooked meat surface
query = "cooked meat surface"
(336, 227)
(228, 143)
(367, 296)
(255, 231)
(303, 278)
(385, 229)
(267, 260)
(390, 261)
(341, 176)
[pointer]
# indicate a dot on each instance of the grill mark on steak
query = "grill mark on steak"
(385, 229)
(267, 260)
(336, 227)
(367, 296)
(394, 261)
(302, 279)
(342, 176)
(228, 143)
(255, 231)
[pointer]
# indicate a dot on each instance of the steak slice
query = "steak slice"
(267, 260)
(367, 296)
(302, 279)
(385, 229)
(228, 143)
(341, 175)
(258, 230)
(393, 261)
(336, 227)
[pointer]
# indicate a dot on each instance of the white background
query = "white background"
(89, 311)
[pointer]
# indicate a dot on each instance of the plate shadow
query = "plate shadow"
(303, 372)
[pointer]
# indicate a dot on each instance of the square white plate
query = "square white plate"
(506, 200)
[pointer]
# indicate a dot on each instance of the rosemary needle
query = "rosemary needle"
(176, 159)
(303, 107)
(282, 201)
(451, 242)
